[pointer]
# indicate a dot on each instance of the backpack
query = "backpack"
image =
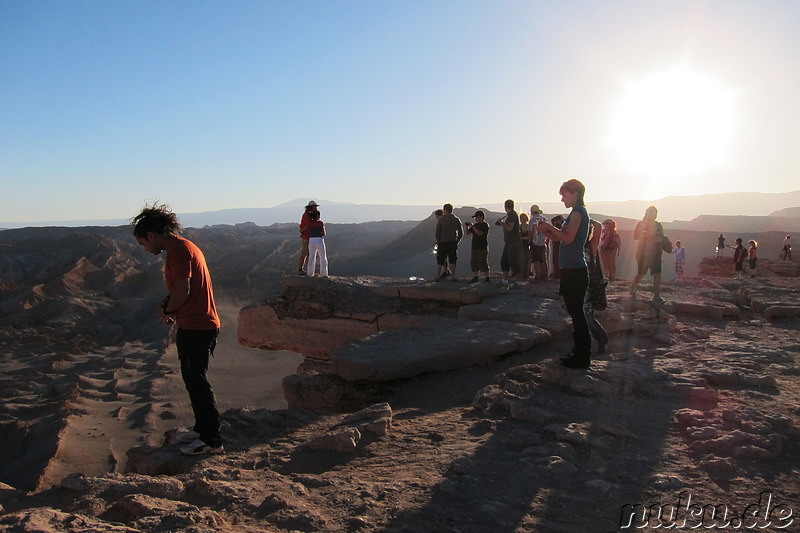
(616, 241)
(666, 244)
(596, 291)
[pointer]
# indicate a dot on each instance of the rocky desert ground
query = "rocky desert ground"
(690, 419)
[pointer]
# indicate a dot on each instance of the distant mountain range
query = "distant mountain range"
(671, 208)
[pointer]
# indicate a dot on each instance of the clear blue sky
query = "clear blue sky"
(105, 105)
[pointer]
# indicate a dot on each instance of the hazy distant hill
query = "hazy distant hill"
(739, 224)
(670, 208)
(789, 212)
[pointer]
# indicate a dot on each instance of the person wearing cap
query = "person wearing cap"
(479, 258)
(448, 235)
(538, 244)
(305, 224)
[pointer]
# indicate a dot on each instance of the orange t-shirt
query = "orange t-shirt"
(185, 260)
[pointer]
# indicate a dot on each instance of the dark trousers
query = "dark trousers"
(511, 258)
(194, 349)
(574, 282)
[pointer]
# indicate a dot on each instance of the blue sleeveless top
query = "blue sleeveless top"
(571, 255)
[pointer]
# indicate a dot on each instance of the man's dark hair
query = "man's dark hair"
(448, 207)
(509, 203)
(156, 218)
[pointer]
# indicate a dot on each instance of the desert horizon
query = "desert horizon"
(671, 209)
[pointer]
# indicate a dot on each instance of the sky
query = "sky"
(106, 105)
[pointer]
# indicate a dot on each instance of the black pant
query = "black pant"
(194, 349)
(574, 282)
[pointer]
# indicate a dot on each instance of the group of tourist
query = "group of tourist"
(527, 252)
(750, 254)
(571, 244)
(525, 244)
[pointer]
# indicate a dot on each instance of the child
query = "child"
(739, 254)
(680, 259)
(753, 257)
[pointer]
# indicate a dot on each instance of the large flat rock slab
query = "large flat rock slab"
(520, 307)
(260, 327)
(439, 344)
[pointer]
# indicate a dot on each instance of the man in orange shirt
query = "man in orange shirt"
(191, 305)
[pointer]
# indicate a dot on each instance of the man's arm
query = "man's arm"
(178, 296)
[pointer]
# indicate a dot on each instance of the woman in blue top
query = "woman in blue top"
(574, 273)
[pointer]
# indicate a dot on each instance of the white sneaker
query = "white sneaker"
(199, 447)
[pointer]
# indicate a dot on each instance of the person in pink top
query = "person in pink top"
(190, 304)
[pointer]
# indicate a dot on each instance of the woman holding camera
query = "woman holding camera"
(574, 272)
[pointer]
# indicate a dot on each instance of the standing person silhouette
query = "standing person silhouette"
(448, 235)
(739, 254)
(511, 258)
(609, 248)
(190, 303)
(752, 255)
(479, 258)
(680, 259)
(316, 246)
(649, 233)
(720, 245)
(304, 225)
(574, 273)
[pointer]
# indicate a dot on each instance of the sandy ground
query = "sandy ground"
(132, 396)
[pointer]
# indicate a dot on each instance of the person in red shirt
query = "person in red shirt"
(189, 304)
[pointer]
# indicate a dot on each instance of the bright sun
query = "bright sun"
(674, 124)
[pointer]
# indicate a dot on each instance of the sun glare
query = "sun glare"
(674, 124)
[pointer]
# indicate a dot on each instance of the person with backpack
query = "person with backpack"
(650, 234)
(739, 253)
(609, 248)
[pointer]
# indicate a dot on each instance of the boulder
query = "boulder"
(439, 344)
(520, 307)
(261, 327)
